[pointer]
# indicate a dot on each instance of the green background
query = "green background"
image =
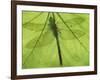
(45, 53)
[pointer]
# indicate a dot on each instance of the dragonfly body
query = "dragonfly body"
(53, 26)
(54, 29)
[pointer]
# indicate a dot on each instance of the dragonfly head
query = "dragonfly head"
(51, 20)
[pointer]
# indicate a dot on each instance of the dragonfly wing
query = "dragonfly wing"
(33, 24)
(45, 39)
(73, 20)
(68, 35)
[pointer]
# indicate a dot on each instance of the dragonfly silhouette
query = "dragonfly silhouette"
(56, 29)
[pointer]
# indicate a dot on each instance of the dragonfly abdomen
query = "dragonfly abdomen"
(53, 27)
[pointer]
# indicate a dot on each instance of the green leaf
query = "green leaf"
(40, 52)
